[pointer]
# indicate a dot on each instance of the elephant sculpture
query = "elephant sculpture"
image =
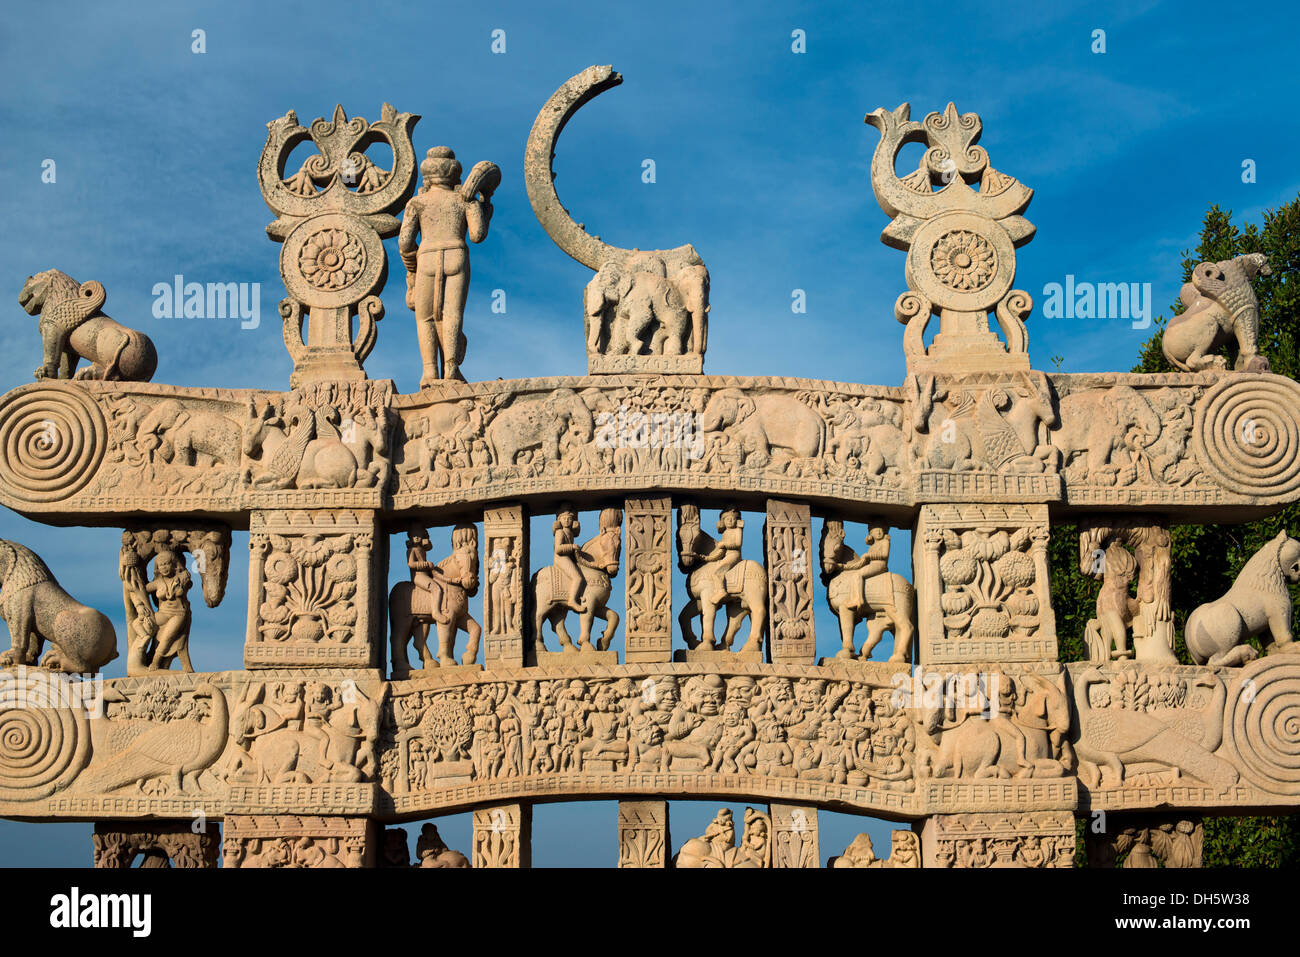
(633, 308)
(765, 421)
(188, 437)
(1100, 425)
(1220, 305)
(539, 423)
(38, 610)
(73, 328)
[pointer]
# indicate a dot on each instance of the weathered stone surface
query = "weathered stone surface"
(988, 747)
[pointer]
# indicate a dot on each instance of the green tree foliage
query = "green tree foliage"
(1206, 558)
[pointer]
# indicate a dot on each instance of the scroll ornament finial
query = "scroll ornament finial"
(331, 215)
(960, 240)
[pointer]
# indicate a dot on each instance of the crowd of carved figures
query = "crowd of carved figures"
(311, 751)
(836, 732)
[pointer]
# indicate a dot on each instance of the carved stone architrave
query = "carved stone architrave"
(794, 836)
(643, 835)
(649, 589)
(503, 836)
(315, 589)
(1146, 841)
(787, 536)
(290, 840)
(505, 537)
(163, 844)
(982, 584)
(999, 839)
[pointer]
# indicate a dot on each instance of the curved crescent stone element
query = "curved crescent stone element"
(539, 177)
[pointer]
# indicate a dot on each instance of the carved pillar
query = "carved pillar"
(649, 591)
(794, 836)
(503, 836)
(787, 536)
(999, 839)
(982, 586)
(316, 589)
(291, 840)
(505, 537)
(163, 844)
(643, 837)
(1145, 840)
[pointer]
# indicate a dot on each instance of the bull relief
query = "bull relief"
(489, 683)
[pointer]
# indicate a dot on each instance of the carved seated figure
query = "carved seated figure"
(861, 587)
(436, 595)
(716, 848)
(717, 577)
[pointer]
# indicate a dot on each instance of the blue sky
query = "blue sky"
(760, 157)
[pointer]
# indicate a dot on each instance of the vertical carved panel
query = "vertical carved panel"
(505, 535)
(315, 590)
(788, 537)
(163, 844)
(649, 580)
(794, 832)
(503, 836)
(643, 839)
(1145, 840)
(982, 584)
(999, 839)
(291, 840)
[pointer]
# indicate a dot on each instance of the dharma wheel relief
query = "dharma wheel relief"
(646, 583)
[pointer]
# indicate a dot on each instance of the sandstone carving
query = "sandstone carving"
(72, 328)
(1124, 722)
(717, 847)
(437, 595)
(988, 748)
(158, 613)
(1220, 305)
(579, 581)
(861, 587)
(168, 753)
(1257, 602)
(443, 214)
(37, 610)
(641, 303)
(905, 851)
(1147, 842)
(1104, 555)
(719, 578)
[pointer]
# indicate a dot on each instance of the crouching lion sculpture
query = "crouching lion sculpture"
(1257, 601)
(1220, 305)
(72, 328)
(38, 610)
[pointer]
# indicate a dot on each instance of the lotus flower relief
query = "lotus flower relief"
(331, 259)
(963, 260)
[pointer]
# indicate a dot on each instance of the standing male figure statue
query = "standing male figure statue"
(443, 213)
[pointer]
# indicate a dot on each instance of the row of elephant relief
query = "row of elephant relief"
(348, 436)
